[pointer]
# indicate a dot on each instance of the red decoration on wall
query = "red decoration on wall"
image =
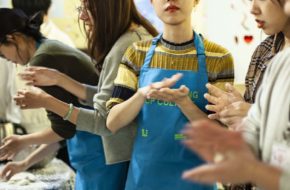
(248, 38)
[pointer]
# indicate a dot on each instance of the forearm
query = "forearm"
(124, 113)
(41, 153)
(46, 136)
(266, 177)
(72, 86)
(61, 108)
(190, 110)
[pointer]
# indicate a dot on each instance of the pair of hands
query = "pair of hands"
(162, 91)
(230, 159)
(34, 97)
(228, 106)
(11, 146)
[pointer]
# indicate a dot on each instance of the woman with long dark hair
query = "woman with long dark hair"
(111, 26)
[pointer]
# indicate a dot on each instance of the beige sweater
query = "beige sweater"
(269, 117)
(117, 147)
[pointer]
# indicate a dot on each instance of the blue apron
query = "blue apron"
(87, 157)
(159, 158)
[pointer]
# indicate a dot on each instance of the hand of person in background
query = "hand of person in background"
(233, 114)
(11, 146)
(32, 98)
(230, 158)
(40, 76)
(220, 99)
(12, 168)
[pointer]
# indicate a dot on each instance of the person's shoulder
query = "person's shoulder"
(131, 40)
(131, 37)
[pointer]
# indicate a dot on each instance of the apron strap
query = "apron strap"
(151, 51)
(198, 43)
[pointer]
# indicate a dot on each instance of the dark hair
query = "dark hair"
(15, 20)
(112, 18)
(30, 7)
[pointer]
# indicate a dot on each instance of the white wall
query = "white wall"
(227, 22)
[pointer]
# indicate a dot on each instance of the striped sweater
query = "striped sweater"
(219, 63)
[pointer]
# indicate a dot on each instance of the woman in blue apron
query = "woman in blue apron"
(159, 158)
(85, 148)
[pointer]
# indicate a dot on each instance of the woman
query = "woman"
(229, 106)
(260, 153)
(164, 107)
(107, 40)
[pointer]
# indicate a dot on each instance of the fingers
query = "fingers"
(209, 173)
(211, 99)
(213, 116)
(167, 82)
(214, 91)
(167, 94)
(7, 172)
(230, 88)
(213, 108)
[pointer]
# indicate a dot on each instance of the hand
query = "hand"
(178, 96)
(220, 99)
(32, 98)
(11, 146)
(233, 114)
(12, 168)
(209, 140)
(40, 76)
(165, 83)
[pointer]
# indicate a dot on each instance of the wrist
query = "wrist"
(25, 164)
(142, 92)
(47, 102)
(183, 101)
(60, 79)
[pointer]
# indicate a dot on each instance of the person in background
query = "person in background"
(108, 52)
(22, 43)
(50, 31)
(259, 153)
(230, 106)
(47, 28)
(188, 61)
(264, 131)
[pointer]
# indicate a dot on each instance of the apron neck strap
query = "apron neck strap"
(198, 43)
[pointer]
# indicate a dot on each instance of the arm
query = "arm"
(129, 108)
(35, 157)
(15, 143)
(42, 76)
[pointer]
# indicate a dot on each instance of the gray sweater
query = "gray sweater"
(269, 117)
(117, 147)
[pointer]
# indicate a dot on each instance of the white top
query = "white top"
(269, 117)
(8, 109)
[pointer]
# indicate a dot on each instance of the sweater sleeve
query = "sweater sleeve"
(94, 121)
(252, 123)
